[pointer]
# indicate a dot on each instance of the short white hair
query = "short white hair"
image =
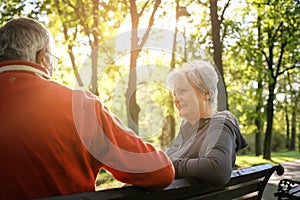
(22, 38)
(201, 74)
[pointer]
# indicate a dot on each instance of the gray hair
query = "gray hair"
(200, 74)
(22, 38)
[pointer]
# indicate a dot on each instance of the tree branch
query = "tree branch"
(280, 58)
(143, 9)
(70, 46)
(223, 12)
(151, 21)
(77, 11)
(277, 30)
(287, 69)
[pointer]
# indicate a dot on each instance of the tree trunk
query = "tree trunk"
(258, 120)
(258, 134)
(287, 129)
(270, 114)
(259, 94)
(217, 47)
(293, 135)
(133, 108)
(70, 45)
(94, 78)
(168, 130)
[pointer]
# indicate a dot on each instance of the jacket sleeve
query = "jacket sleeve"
(216, 166)
(125, 155)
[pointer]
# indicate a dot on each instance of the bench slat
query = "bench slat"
(247, 183)
(295, 190)
(232, 192)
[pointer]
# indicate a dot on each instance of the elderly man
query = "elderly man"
(54, 140)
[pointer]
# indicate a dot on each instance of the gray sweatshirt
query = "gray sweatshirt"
(207, 150)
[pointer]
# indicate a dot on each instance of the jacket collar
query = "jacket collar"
(21, 65)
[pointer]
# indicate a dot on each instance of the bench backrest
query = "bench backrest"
(248, 183)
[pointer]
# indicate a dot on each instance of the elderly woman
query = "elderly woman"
(207, 142)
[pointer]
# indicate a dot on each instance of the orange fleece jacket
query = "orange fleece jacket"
(54, 140)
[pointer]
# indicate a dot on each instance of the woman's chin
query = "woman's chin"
(183, 114)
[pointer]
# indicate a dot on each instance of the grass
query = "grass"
(105, 180)
(276, 158)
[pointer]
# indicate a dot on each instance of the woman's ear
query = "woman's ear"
(40, 56)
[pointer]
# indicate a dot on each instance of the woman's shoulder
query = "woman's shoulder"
(225, 115)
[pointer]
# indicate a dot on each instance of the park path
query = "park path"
(291, 171)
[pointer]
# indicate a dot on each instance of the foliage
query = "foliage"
(86, 25)
(278, 157)
(9, 9)
(266, 56)
(248, 34)
(105, 180)
(260, 38)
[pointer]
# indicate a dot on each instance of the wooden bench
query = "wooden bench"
(246, 183)
(288, 189)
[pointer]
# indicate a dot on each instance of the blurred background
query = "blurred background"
(122, 51)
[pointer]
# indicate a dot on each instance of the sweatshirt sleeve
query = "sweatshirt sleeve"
(215, 166)
(118, 148)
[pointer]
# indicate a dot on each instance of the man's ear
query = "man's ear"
(207, 96)
(40, 56)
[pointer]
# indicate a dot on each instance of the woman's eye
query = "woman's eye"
(180, 92)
